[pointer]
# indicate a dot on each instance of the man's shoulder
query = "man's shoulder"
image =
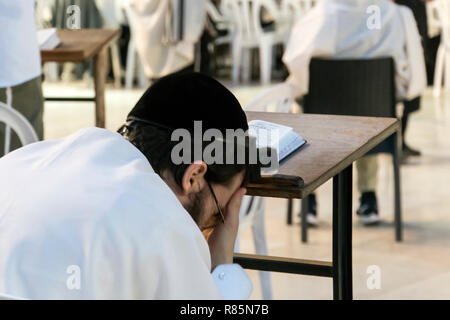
(150, 205)
(153, 222)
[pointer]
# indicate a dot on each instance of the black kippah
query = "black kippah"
(177, 100)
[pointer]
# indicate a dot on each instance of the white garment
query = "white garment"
(20, 58)
(339, 29)
(91, 206)
(154, 24)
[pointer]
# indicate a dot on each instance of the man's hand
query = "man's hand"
(222, 238)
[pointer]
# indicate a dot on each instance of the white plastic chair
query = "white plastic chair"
(220, 21)
(279, 98)
(133, 61)
(291, 9)
(251, 215)
(441, 8)
(17, 122)
(434, 25)
(248, 33)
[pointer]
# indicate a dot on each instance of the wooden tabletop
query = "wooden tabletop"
(79, 45)
(334, 142)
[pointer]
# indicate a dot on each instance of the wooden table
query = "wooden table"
(334, 143)
(81, 46)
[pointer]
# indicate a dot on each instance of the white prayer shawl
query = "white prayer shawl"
(154, 24)
(86, 217)
(339, 29)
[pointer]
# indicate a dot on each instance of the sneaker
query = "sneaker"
(368, 209)
(311, 214)
(312, 220)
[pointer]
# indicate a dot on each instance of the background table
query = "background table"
(80, 46)
(334, 143)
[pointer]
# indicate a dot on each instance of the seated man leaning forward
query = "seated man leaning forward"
(103, 215)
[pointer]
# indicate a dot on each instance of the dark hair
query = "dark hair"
(155, 143)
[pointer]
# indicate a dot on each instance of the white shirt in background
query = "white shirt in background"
(155, 24)
(20, 59)
(86, 217)
(339, 29)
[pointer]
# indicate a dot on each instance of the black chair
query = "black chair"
(357, 88)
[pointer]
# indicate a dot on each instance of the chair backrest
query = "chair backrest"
(354, 87)
(213, 12)
(279, 98)
(245, 16)
(18, 123)
(360, 87)
(291, 9)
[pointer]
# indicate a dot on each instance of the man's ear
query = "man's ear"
(193, 177)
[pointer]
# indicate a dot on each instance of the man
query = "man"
(98, 215)
(358, 29)
(20, 68)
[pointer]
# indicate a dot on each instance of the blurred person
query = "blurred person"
(418, 7)
(340, 29)
(103, 215)
(20, 67)
(159, 43)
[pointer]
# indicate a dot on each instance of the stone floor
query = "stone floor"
(417, 268)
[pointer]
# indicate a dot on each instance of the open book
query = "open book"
(278, 138)
(48, 39)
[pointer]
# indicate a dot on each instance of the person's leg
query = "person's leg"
(367, 168)
(27, 98)
(311, 215)
(410, 106)
(205, 58)
(419, 10)
(309, 204)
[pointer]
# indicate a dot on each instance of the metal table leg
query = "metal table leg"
(304, 224)
(289, 211)
(397, 196)
(342, 235)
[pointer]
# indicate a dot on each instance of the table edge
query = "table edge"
(300, 193)
(77, 56)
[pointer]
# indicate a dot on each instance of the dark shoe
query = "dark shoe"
(368, 209)
(311, 214)
(409, 152)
